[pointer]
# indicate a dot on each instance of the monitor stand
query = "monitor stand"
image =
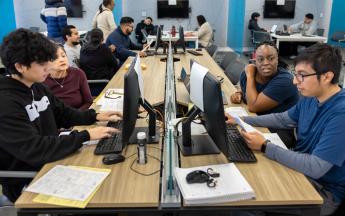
(196, 144)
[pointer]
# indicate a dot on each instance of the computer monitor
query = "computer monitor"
(180, 42)
(159, 42)
(214, 121)
(132, 101)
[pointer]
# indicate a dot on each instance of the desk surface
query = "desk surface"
(273, 183)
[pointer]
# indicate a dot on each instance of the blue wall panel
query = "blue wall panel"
(337, 22)
(7, 18)
(236, 24)
(118, 11)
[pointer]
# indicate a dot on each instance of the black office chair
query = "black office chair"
(320, 32)
(260, 36)
(228, 58)
(212, 49)
(97, 86)
(233, 71)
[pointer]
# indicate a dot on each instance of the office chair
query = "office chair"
(260, 36)
(212, 49)
(97, 86)
(233, 71)
(228, 58)
(320, 32)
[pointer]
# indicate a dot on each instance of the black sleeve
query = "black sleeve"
(66, 116)
(110, 57)
(132, 46)
(254, 26)
(20, 138)
(138, 29)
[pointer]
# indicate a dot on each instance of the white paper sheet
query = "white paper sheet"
(236, 111)
(68, 182)
(198, 72)
(137, 69)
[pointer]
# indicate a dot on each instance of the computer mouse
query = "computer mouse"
(113, 159)
(197, 176)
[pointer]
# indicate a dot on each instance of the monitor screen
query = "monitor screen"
(180, 10)
(274, 10)
(74, 8)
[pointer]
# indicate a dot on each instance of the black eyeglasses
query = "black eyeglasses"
(300, 77)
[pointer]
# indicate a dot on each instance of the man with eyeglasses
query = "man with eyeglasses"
(120, 38)
(320, 121)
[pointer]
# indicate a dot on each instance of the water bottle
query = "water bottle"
(142, 157)
(173, 31)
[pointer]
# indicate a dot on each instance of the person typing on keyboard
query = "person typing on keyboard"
(320, 121)
(31, 115)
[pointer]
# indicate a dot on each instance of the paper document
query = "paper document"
(244, 126)
(275, 139)
(68, 183)
(137, 69)
(230, 186)
(111, 100)
(236, 111)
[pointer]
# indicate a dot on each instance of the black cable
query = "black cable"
(144, 174)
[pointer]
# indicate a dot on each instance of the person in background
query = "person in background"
(253, 22)
(72, 45)
(320, 121)
(68, 83)
(307, 26)
(104, 18)
(204, 33)
(55, 16)
(267, 87)
(31, 115)
(97, 59)
(145, 24)
(120, 38)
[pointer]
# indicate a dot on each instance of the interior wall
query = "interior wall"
(337, 21)
(7, 18)
(28, 13)
(215, 13)
(319, 8)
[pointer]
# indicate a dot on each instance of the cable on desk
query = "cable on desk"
(145, 174)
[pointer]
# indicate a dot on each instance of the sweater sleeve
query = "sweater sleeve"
(111, 21)
(20, 138)
(273, 120)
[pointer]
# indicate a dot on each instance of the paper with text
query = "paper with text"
(137, 69)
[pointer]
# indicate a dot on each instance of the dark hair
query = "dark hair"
(281, 64)
(25, 47)
(201, 19)
(126, 20)
(150, 18)
(322, 58)
(95, 39)
(67, 31)
(105, 3)
(254, 15)
(309, 16)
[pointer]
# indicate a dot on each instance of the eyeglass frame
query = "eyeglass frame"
(301, 79)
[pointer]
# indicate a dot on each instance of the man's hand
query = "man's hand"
(101, 132)
(250, 71)
(142, 54)
(109, 116)
(254, 140)
(229, 119)
(236, 98)
(112, 47)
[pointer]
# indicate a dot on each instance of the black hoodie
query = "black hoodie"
(29, 122)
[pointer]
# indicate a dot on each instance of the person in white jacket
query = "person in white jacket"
(204, 33)
(104, 18)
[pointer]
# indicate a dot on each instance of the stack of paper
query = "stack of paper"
(230, 186)
(68, 185)
(111, 100)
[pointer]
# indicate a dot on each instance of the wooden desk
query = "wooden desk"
(273, 183)
(297, 38)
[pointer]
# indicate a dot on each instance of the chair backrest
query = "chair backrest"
(320, 32)
(211, 49)
(233, 71)
(338, 36)
(97, 86)
(260, 36)
(228, 58)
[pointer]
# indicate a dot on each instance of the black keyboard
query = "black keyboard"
(238, 149)
(112, 144)
(194, 52)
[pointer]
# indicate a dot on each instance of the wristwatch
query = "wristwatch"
(263, 146)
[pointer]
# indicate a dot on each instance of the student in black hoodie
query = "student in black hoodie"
(30, 115)
(145, 24)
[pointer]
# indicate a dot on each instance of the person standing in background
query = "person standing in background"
(104, 18)
(55, 16)
(72, 45)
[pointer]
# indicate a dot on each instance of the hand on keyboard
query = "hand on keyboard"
(101, 132)
(109, 116)
(253, 139)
